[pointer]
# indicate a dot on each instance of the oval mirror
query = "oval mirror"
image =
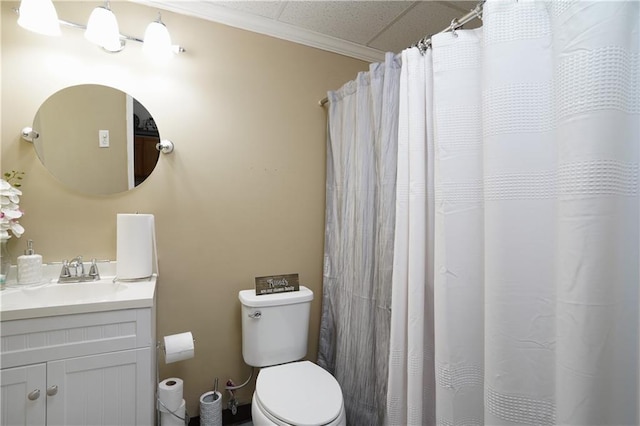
(96, 139)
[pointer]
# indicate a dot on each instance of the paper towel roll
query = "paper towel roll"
(135, 246)
(178, 347)
(169, 419)
(170, 393)
(211, 409)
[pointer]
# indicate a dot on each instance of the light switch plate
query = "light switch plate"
(103, 138)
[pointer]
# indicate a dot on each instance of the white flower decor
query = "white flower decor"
(9, 206)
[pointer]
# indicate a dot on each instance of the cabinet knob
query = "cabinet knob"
(33, 395)
(52, 390)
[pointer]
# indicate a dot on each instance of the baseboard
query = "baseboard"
(242, 415)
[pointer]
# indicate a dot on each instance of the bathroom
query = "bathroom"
(241, 196)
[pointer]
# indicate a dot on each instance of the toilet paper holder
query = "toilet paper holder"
(178, 347)
(160, 345)
(182, 348)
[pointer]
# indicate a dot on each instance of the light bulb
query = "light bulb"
(102, 29)
(39, 16)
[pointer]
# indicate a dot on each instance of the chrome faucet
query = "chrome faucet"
(76, 263)
(73, 271)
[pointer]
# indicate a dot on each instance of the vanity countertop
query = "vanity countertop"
(51, 298)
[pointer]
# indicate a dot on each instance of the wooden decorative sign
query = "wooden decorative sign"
(277, 284)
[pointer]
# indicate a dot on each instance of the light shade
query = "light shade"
(39, 16)
(102, 29)
(157, 41)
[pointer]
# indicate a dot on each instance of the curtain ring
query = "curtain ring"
(453, 27)
(424, 44)
(422, 47)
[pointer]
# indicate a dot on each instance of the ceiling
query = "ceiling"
(360, 29)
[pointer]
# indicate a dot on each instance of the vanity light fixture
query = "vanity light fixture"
(102, 29)
(40, 16)
(157, 41)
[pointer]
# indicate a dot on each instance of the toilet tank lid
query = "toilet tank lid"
(249, 298)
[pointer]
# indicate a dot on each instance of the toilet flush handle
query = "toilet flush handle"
(256, 315)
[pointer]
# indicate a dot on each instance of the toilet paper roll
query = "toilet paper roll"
(170, 394)
(178, 347)
(135, 246)
(211, 409)
(174, 419)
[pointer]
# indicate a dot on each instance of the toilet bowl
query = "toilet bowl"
(298, 393)
(288, 391)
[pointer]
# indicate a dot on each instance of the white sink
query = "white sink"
(53, 298)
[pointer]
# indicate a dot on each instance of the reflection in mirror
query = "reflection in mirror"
(96, 139)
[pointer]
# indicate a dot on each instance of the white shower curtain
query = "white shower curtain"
(361, 174)
(411, 373)
(535, 280)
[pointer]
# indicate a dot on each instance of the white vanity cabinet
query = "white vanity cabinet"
(95, 368)
(22, 395)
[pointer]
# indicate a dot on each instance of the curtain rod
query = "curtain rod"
(425, 43)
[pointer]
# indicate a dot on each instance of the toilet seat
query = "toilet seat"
(299, 393)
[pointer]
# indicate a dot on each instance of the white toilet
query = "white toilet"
(275, 329)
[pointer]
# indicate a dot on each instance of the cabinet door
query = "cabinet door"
(23, 395)
(146, 156)
(107, 389)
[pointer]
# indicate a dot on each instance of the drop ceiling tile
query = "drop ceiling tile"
(425, 18)
(356, 21)
(267, 9)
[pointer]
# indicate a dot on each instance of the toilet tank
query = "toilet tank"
(275, 327)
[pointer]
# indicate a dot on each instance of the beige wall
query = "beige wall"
(242, 195)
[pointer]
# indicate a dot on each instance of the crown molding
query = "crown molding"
(271, 27)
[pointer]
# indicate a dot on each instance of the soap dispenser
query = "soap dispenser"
(29, 266)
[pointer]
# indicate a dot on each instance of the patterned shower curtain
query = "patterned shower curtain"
(360, 216)
(516, 273)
